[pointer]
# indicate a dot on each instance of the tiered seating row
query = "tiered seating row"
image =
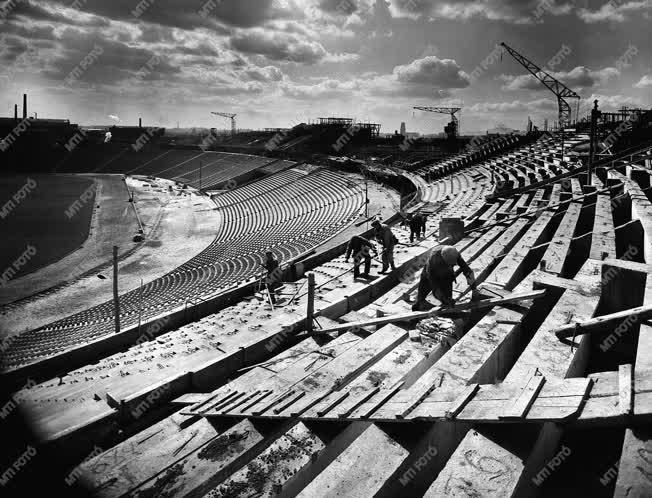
(288, 215)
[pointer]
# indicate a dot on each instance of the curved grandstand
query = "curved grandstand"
(249, 400)
(288, 213)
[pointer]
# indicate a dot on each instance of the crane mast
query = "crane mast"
(561, 91)
(229, 116)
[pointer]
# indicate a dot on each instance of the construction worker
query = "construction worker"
(424, 223)
(438, 276)
(388, 240)
(361, 249)
(414, 222)
(274, 273)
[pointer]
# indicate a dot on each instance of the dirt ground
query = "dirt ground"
(178, 224)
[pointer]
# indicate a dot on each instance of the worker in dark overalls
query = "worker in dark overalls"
(438, 276)
(424, 223)
(274, 273)
(388, 240)
(414, 222)
(361, 249)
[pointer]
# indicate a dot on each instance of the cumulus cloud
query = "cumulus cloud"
(514, 106)
(278, 46)
(515, 11)
(328, 88)
(269, 73)
(614, 11)
(579, 77)
(431, 70)
(644, 82)
(180, 13)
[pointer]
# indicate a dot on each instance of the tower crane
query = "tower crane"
(561, 91)
(452, 130)
(229, 116)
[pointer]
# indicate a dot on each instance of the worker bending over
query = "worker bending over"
(388, 240)
(361, 249)
(438, 276)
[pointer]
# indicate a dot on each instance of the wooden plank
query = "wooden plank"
(366, 409)
(354, 402)
(191, 398)
(254, 401)
(334, 400)
(290, 401)
(476, 469)
(603, 240)
(555, 255)
(143, 456)
(420, 315)
(275, 467)
(259, 410)
(346, 477)
(207, 466)
(625, 383)
(522, 404)
(604, 322)
(461, 401)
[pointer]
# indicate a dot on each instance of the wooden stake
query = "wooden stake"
(311, 302)
(116, 297)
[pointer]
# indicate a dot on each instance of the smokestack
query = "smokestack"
(140, 122)
(24, 106)
(16, 112)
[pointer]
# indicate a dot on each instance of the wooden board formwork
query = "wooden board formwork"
(603, 242)
(641, 209)
(635, 465)
(555, 256)
(552, 359)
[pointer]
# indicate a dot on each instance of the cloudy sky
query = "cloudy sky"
(281, 62)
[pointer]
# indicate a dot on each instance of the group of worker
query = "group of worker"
(437, 276)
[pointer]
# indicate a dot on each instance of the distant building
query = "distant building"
(403, 129)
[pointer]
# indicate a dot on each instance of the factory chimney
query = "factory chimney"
(16, 112)
(24, 106)
(140, 122)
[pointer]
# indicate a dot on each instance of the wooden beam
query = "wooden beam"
(420, 315)
(524, 401)
(461, 401)
(603, 323)
(625, 391)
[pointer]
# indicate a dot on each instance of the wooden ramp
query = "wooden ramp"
(617, 398)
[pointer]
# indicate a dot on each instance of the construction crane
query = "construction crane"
(229, 116)
(561, 91)
(452, 130)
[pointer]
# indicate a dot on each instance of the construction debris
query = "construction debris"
(440, 330)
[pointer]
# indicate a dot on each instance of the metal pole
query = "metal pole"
(116, 298)
(140, 304)
(562, 146)
(311, 302)
(200, 166)
(592, 141)
(366, 197)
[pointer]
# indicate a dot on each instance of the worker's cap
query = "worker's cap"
(375, 223)
(450, 255)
